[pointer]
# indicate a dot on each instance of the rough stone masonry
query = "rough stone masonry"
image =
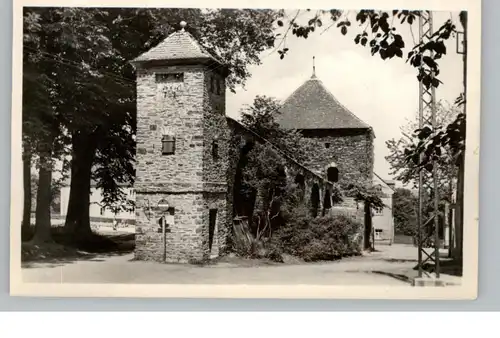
(181, 189)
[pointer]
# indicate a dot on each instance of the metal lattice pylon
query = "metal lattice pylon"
(428, 223)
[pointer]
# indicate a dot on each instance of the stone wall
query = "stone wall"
(181, 111)
(216, 161)
(183, 241)
(351, 151)
(240, 136)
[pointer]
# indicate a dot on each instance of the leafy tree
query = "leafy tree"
(263, 178)
(370, 196)
(92, 88)
(407, 171)
(43, 133)
(261, 118)
(405, 208)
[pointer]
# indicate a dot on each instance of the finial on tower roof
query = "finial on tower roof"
(183, 24)
(314, 67)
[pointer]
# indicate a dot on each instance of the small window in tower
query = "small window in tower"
(168, 145)
(102, 210)
(169, 77)
(327, 145)
(215, 149)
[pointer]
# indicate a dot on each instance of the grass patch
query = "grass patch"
(31, 252)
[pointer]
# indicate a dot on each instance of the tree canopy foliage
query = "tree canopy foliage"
(263, 175)
(407, 171)
(261, 118)
(405, 207)
(79, 87)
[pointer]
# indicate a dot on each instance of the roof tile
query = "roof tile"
(179, 45)
(312, 106)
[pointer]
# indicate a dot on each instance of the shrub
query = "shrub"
(295, 232)
(320, 238)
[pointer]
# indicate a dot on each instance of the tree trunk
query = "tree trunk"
(78, 218)
(27, 188)
(42, 223)
(368, 226)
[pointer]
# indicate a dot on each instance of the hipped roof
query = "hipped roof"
(312, 106)
(180, 46)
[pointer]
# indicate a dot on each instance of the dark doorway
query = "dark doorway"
(211, 227)
(327, 203)
(315, 199)
(332, 174)
(301, 183)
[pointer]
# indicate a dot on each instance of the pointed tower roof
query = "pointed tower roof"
(178, 46)
(312, 106)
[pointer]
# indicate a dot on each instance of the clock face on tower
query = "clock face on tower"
(170, 84)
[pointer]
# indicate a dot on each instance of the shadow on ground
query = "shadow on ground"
(448, 267)
(400, 277)
(96, 247)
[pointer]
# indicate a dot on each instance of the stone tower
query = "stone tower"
(341, 145)
(182, 208)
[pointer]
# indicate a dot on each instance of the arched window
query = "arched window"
(300, 180)
(332, 174)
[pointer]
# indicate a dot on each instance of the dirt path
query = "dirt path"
(387, 267)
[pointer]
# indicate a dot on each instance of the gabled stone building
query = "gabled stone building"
(186, 164)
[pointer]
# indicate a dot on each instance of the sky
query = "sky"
(383, 94)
